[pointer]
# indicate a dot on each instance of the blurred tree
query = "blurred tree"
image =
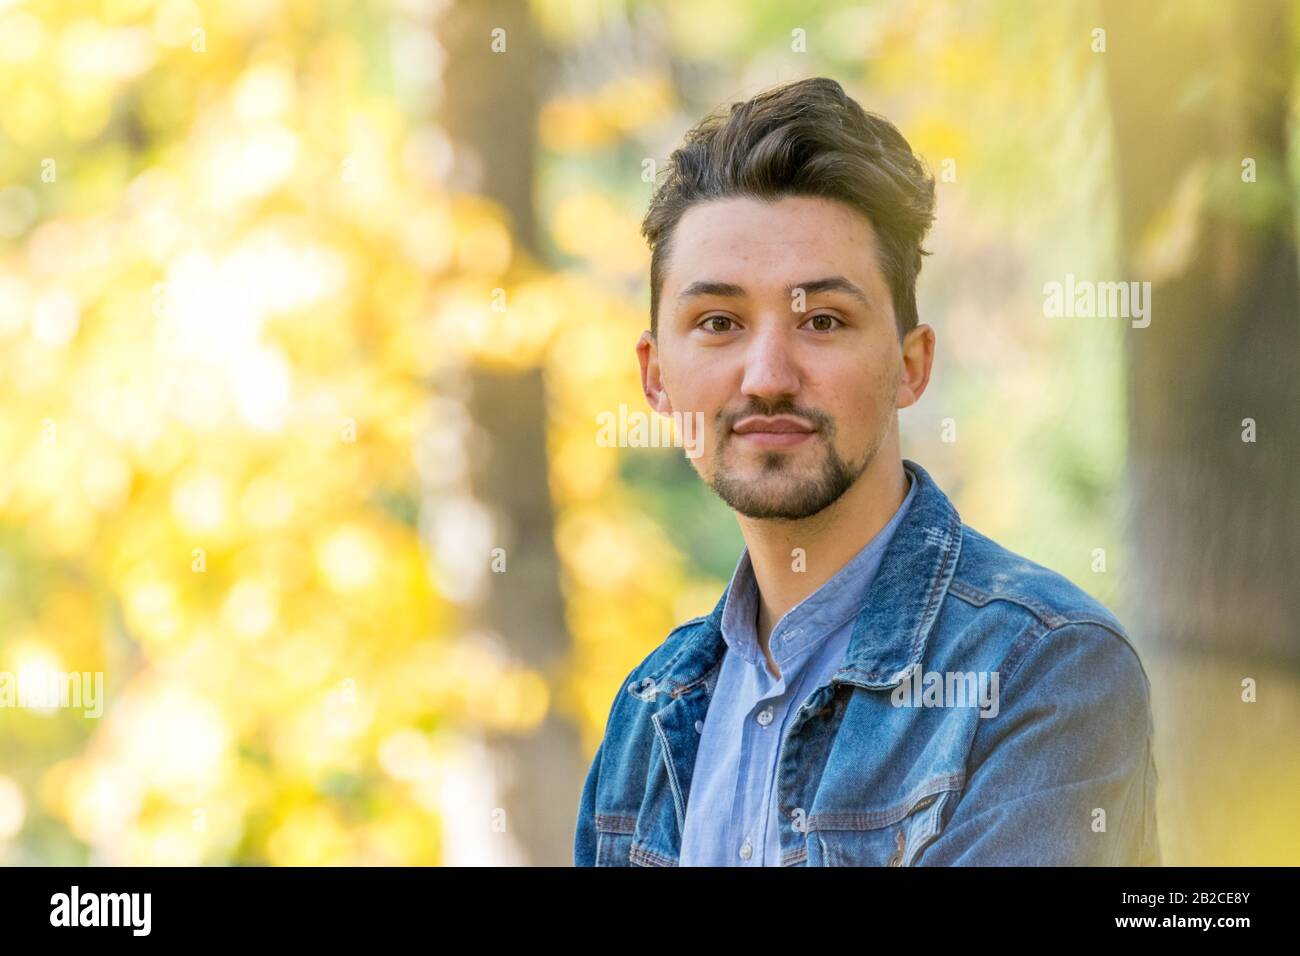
(495, 69)
(1200, 99)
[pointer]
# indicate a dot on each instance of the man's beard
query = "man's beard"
(754, 498)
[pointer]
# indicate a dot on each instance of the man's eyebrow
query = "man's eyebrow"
(830, 284)
(709, 287)
(704, 287)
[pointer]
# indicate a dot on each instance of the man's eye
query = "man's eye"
(717, 323)
(824, 322)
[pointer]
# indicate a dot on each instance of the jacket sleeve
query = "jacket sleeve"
(1064, 774)
(584, 834)
(584, 831)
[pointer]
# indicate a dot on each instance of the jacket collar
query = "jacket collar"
(898, 612)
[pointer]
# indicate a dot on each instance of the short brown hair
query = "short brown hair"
(805, 138)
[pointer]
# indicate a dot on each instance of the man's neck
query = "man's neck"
(828, 540)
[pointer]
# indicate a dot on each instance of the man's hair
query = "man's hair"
(806, 138)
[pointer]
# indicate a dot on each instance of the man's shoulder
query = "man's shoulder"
(1062, 644)
(988, 572)
(989, 576)
(641, 681)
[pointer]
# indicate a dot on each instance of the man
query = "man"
(880, 684)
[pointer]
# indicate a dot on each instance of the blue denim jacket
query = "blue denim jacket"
(886, 764)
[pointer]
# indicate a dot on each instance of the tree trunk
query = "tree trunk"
(1196, 91)
(490, 113)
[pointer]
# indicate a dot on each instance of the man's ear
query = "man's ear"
(647, 352)
(918, 356)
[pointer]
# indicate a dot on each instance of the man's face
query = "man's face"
(798, 389)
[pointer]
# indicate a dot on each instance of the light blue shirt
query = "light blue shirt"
(731, 810)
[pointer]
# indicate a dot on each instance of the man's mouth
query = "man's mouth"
(780, 431)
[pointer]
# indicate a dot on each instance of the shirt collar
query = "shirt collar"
(814, 618)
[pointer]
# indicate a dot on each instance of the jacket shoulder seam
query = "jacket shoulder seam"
(1050, 617)
(1035, 637)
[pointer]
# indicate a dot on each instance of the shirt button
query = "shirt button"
(765, 716)
(746, 851)
(699, 726)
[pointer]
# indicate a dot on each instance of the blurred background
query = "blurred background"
(308, 310)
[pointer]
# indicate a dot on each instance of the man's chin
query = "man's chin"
(763, 497)
(780, 510)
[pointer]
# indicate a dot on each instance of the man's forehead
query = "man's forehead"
(766, 247)
(807, 219)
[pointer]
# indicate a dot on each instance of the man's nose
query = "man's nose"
(770, 369)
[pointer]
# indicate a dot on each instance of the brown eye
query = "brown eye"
(713, 321)
(823, 326)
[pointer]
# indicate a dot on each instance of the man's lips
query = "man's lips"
(780, 423)
(781, 431)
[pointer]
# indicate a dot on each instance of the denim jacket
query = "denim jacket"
(890, 763)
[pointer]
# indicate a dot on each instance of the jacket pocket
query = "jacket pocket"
(891, 836)
(614, 839)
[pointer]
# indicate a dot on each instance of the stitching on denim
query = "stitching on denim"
(981, 598)
(929, 831)
(644, 857)
(1128, 642)
(615, 823)
(875, 819)
(1020, 649)
(1047, 615)
(1031, 641)
(672, 772)
(949, 554)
